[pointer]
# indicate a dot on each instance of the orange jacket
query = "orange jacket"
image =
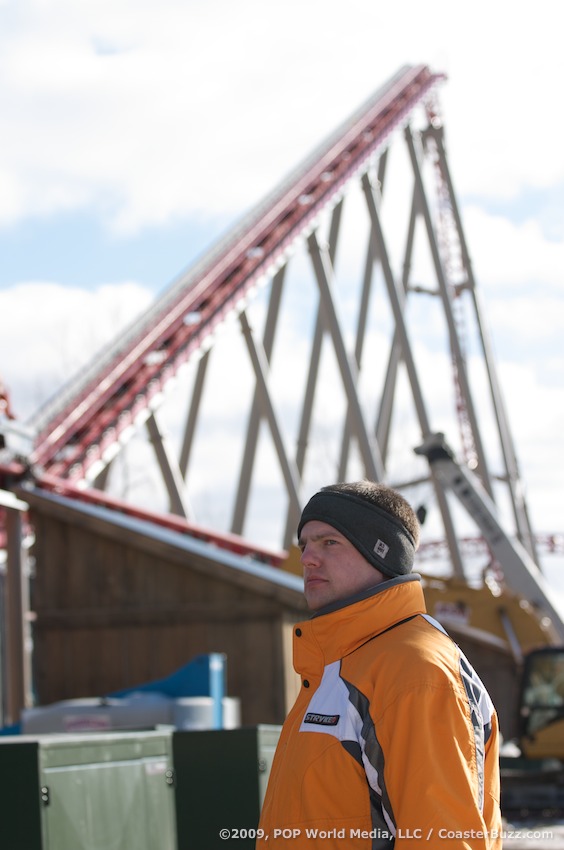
(392, 741)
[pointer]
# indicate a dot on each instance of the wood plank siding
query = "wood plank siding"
(117, 603)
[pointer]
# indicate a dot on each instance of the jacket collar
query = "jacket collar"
(366, 594)
(339, 629)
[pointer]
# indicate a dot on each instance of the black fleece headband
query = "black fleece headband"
(377, 535)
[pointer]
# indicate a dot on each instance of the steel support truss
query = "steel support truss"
(413, 274)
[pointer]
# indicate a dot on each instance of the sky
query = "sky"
(136, 132)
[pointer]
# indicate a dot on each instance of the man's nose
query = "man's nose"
(309, 556)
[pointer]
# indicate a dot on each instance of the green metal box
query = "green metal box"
(87, 792)
(221, 778)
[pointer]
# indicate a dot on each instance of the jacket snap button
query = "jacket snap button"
(298, 632)
(306, 683)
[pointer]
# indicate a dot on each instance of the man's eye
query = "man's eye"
(330, 542)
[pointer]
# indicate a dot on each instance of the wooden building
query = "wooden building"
(117, 602)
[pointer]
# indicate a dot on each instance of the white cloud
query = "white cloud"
(536, 414)
(152, 110)
(513, 255)
(50, 331)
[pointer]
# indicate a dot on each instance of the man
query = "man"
(393, 740)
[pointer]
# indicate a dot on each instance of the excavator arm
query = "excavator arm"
(522, 575)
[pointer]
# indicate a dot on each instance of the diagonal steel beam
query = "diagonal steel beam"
(192, 417)
(314, 360)
(170, 470)
(384, 419)
(260, 366)
(369, 451)
(371, 259)
(251, 441)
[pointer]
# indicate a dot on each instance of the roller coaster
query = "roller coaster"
(293, 352)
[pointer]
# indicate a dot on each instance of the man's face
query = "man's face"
(333, 568)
